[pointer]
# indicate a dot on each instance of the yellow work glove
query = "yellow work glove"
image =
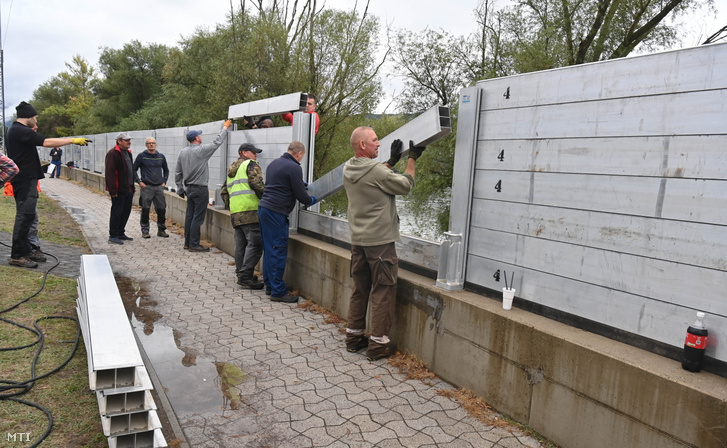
(80, 141)
(227, 123)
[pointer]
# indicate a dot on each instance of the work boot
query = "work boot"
(115, 240)
(37, 256)
(250, 284)
(378, 351)
(145, 235)
(23, 262)
(355, 342)
(126, 238)
(288, 298)
(198, 249)
(162, 234)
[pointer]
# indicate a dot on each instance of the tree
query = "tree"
(430, 67)
(132, 75)
(569, 32)
(345, 71)
(64, 100)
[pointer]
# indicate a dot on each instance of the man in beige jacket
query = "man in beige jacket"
(372, 188)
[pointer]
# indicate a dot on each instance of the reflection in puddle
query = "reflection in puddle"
(193, 385)
(230, 377)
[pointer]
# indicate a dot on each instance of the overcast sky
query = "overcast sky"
(39, 37)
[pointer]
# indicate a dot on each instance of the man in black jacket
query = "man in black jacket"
(21, 143)
(120, 178)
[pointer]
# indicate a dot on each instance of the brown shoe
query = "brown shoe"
(162, 234)
(37, 256)
(378, 351)
(199, 249)
(355, 343)
(23, 262)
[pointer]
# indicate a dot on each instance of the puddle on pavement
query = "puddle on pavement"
(193, 385)
(77, 213)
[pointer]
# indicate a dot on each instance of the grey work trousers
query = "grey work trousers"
(248, 250)
(152, 194)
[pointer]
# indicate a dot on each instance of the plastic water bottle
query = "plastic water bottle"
(695, 344)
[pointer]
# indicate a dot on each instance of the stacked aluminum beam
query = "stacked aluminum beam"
(116, 370)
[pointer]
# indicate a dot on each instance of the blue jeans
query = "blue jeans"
(197, 201)
(274, 228)
(26, 200)
(57, 170)
(248, 249)
(120, 211)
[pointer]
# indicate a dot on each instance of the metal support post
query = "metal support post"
(453, 252)
(304, 130)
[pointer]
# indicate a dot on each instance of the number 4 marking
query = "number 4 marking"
(498, 186)
(501, 157)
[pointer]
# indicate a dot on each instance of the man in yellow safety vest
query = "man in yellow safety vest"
(241, 195)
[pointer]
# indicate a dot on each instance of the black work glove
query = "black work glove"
(396, 150)
(181, 194)
(415, 151)
(249, 122)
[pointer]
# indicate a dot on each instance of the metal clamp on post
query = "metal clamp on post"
(450, 275)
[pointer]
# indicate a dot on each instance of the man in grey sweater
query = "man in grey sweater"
(191, 177)
(372, 188)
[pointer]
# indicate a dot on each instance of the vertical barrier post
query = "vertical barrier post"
(453, 252)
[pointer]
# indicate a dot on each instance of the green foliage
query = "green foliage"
(433, 73)
(64, 100)
(132, 75)
(554, 33)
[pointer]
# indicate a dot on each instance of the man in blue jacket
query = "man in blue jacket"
(283, 187)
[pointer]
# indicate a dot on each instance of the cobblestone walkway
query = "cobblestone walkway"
(298, 387)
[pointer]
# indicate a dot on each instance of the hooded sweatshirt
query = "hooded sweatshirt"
(371, 188)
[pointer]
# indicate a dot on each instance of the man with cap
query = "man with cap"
(241, 194)
(120, 177)
(154, 175)
(191, 176)
(21, 143)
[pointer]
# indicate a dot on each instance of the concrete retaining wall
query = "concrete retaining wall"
(573, 387)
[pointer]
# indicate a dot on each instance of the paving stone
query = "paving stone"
(302, 388)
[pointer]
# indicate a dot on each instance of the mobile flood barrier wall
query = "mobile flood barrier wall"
(603, 188)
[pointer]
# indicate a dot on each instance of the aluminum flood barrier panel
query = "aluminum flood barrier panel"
(269, 106)
(423, 130)
(602, 187)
